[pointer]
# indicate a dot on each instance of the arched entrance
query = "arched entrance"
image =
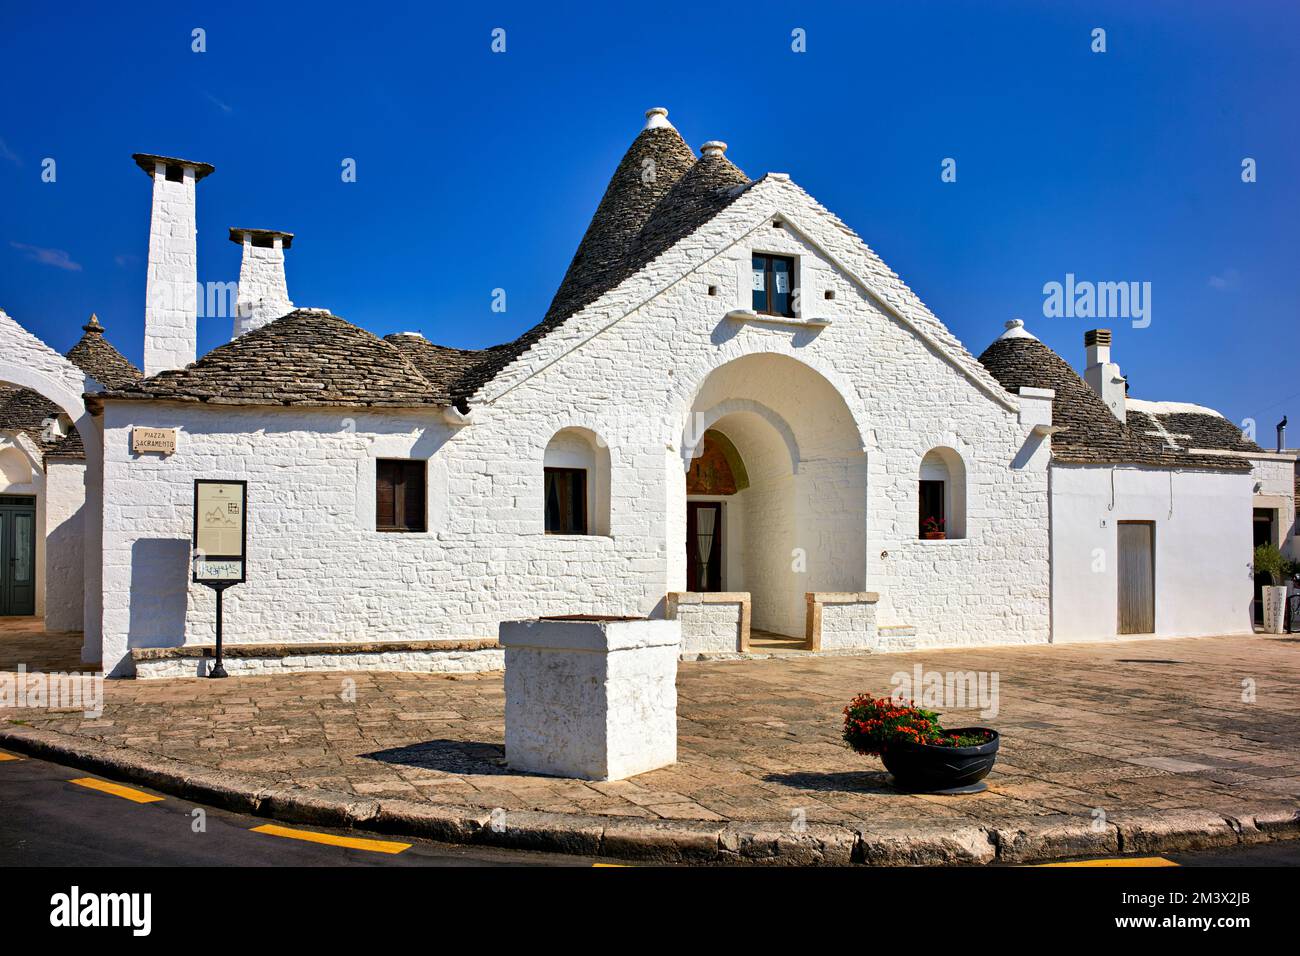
(775, 489)
(27, 362)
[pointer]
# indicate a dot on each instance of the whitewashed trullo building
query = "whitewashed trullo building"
(733, 413)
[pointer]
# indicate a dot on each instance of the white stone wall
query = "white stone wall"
(630, 368)
(1202, 549)
(709, 628)
(849, 626)
(407, 662)
(263, 292)
(65, 505)
(171, 287)
(1275, 476)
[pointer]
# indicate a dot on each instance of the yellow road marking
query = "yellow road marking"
(1119, 861)
(352, 843)
(4, 756)
(116, 789)
(617, 866)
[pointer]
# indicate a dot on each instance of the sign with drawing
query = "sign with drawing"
(220, 542)
(220, 530)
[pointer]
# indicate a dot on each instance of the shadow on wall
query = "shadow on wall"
(65, 574)
(160, 575)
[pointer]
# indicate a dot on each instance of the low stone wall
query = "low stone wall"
(244, 660)
(712, 622)
(842, 620)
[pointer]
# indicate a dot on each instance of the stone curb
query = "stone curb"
(1029, 840)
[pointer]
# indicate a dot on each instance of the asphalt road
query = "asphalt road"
(46, 820)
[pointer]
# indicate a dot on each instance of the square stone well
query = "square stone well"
(591, 697)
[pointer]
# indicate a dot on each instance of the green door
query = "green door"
(17, 555)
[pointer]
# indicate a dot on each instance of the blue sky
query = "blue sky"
(478, 171)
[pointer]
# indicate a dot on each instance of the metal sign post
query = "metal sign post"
(220, 541)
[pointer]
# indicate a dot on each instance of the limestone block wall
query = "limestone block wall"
(713, 623)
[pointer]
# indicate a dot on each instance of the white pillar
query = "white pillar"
(589, 697)
(171, 290)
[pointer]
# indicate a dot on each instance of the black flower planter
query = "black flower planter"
(923, 768)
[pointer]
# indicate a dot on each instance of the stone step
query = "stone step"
(896, 637)
(245, 659)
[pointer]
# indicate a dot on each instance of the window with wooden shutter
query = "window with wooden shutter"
(400, 501)
(566, 500)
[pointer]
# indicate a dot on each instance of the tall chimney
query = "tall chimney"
(171, 290)
(1281, 435)
(1103, 374)
(263, 293)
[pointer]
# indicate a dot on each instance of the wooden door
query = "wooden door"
(703, 546)
(1137, 577)
(17, 555)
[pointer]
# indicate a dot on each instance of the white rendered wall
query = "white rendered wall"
(171, 287)
(65, 506)
(1202, 550)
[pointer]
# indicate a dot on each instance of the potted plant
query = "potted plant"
(1270, 561)
(932, 529)
(922, 755)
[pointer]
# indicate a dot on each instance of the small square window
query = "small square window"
(773, 285)
(400, 500)
(713, 290)
(830, 293)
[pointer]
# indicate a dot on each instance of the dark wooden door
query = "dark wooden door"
(703, 546)
(17, 555)
(1137, 577)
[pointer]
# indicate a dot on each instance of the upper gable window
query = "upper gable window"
(773, 285)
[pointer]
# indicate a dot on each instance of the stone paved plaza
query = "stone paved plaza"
(1126, 726)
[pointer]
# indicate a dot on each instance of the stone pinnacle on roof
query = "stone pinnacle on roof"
(1016, 330)
(95, 356)
(658, 195)
(656, 117)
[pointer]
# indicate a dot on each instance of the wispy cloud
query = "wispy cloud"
(124, 259)
(48, 257)
(1226, 280)
(8, 154)
(224, 107)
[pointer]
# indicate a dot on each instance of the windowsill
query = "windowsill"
(768, 318)
(941, 540)
(402, 530)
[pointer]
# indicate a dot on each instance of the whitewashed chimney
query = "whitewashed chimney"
(263, 292)
(171, 289)
(1103, 374)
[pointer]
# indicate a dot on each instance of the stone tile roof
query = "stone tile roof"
(659, 194)
(1091, 435)
(442, 367)
(26, 410)
(1190, 429)
(308, 357)
(97, 358)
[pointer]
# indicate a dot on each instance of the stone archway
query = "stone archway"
(27, 362)
(800, 524)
